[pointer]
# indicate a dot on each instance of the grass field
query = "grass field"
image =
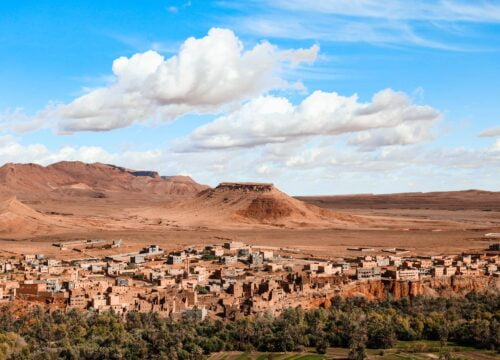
(404, 350)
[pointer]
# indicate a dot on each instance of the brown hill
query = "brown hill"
(18, 219)
(231, 204)
(74, 179)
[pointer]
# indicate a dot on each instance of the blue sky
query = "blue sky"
(263, 91)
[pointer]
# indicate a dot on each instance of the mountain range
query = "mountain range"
(76, 197)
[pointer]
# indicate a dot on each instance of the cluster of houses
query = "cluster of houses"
(227, 280)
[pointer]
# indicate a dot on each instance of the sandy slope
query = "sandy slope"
(18, 219)
(75, 199)
(250, 205)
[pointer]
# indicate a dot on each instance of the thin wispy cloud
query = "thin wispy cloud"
(441, 10)
(437, 25)
(174, 9)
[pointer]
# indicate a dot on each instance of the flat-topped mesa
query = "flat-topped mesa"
(147, 173)
(245, 187)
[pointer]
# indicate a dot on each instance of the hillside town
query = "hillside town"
(228, 281)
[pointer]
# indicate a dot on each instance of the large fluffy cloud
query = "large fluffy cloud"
(206, 74)
(390, 118)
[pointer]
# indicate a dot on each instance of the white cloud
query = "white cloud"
(11, 150)
(175, 9)
(401, 22)
(389, 119)
(403, 134)
(336, 29)
(20, 122)
(205, 75)
(490, 132)
(326, 166)
(297, 56)
(482, 159)
(444, 10)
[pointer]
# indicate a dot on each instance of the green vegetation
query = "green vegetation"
(209, 257)
(201, 290)
(407, 327)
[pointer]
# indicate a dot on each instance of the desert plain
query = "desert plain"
(40, 206)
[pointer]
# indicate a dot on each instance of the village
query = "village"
(227, 281)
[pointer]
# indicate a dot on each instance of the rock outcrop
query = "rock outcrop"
(231, 204)
(445, 286)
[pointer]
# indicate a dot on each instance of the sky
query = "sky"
(324, 97)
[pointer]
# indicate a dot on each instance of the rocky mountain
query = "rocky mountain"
(75, 179)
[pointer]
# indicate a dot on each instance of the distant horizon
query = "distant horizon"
(193, 177)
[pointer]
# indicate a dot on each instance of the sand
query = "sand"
(81, 201)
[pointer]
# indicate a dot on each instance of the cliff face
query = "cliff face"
(371, 290)
(452, 286)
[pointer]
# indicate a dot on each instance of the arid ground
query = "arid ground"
(71, 200)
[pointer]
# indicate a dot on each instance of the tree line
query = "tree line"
(353, 323)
